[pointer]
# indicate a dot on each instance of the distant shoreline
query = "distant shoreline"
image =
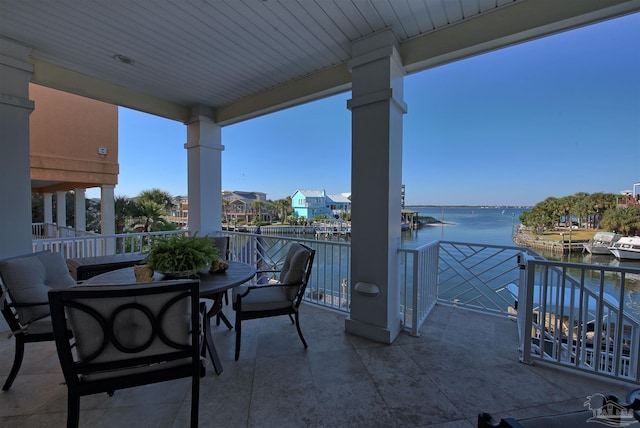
(470, 206)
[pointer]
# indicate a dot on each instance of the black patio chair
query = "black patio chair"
(24, 304)
(126, 336)
(278, 297)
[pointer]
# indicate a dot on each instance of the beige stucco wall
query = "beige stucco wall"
(66, 132)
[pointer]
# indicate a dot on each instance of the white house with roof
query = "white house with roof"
(313, 203)
(339, 204)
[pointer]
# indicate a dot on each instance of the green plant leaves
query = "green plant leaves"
(181, 253)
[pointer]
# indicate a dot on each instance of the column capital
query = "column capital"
(377, 72)
(16, 55)
(201, 113)
(16, 71)
(372, 42)
(380, 45)
(203, 131)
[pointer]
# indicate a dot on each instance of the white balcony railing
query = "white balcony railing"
(419, 284)
(563, 318)
(580, 316)
(331, 273)
(99, 245)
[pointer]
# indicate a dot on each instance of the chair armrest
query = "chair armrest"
(27, 305)
(4, 302)
(277, 284)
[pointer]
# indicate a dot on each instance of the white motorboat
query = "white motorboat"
(627, 247)
(601, 242)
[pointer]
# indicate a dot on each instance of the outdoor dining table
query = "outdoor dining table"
(213, 285)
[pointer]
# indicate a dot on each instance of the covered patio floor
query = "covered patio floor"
(462, 363)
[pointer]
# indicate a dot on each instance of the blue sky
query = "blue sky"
(552, 117)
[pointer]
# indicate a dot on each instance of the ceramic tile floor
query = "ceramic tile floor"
(462, 363)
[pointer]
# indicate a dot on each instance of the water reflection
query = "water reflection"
(591, 259)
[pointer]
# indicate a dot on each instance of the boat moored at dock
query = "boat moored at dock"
(601, 242)
(626, 248)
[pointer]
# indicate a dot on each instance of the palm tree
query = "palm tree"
(566, 205)
(601, 202)
(160, 197)
(581, 207)
(226, 204)
(256, 207)
(125, 208)
(624, 220)
(284, 207)
(155, 205)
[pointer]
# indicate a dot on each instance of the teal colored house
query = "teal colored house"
(312, 203)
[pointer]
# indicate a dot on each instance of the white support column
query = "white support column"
(107, 209)
(377, 108)
(48, 207)
(15, 187)
(49, 229)
(108, 216)
(204, 165)
(80, 213)
(61, 210)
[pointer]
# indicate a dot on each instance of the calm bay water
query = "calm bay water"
(495, 226)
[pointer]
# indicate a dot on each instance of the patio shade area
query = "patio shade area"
(462, 363)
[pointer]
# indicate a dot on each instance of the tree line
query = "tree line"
(259, 211)
(589, 211)
(150, 211)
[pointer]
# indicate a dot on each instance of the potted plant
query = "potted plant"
(181, 255)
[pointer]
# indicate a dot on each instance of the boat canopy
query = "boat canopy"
(606, 237)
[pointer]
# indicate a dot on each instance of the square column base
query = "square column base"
(370, 331)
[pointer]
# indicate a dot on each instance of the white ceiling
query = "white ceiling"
(245, 58)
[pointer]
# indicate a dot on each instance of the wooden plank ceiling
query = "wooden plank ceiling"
(228, 54)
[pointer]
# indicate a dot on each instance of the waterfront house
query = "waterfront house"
(179, 213)
(339, 204)
(244, 206)
(629, 198)
(310, 204)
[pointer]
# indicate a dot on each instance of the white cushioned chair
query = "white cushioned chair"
(281, 296)
(26, 280)
(128, 335)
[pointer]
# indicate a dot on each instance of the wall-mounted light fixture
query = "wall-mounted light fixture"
(367, 289)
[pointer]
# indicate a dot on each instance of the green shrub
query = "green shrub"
(180, 254)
